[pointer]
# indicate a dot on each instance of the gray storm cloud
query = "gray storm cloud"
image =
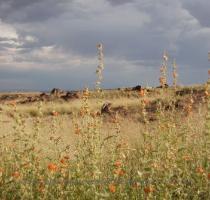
(23, 11)
(200, 10)
(119, 2)
(40, 39)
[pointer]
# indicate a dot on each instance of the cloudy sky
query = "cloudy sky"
(52, 43)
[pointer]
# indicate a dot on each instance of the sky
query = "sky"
(52, 43)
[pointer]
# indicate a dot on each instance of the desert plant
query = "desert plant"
(163, 70)
(175, 74)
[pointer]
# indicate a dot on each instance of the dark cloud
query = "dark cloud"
(56, 41)
(24, 11)
(199, 9)
(119, 2)
(42, 79)
(16, 4)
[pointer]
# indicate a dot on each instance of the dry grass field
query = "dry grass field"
(94, 141)
(150, 143)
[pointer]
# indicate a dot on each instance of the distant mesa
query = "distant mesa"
(44, 97)
(54, 95)
(71, 95)
(57, 92)
(137, 88)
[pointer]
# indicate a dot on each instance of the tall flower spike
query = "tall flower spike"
(165, 56)
(163, 70)
(207, 124)
(100, 66)
(175, 74)
(209, 69)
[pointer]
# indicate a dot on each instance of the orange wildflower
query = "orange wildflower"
(208, 176)
(200, 170)
(149, 189)
(119, 172)
(16, 174)
(118, 163)
(142, 93)
(55, 113)
(112, 188)
(52, 167)
(63, 161)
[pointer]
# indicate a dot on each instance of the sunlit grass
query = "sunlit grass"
(68, 150)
